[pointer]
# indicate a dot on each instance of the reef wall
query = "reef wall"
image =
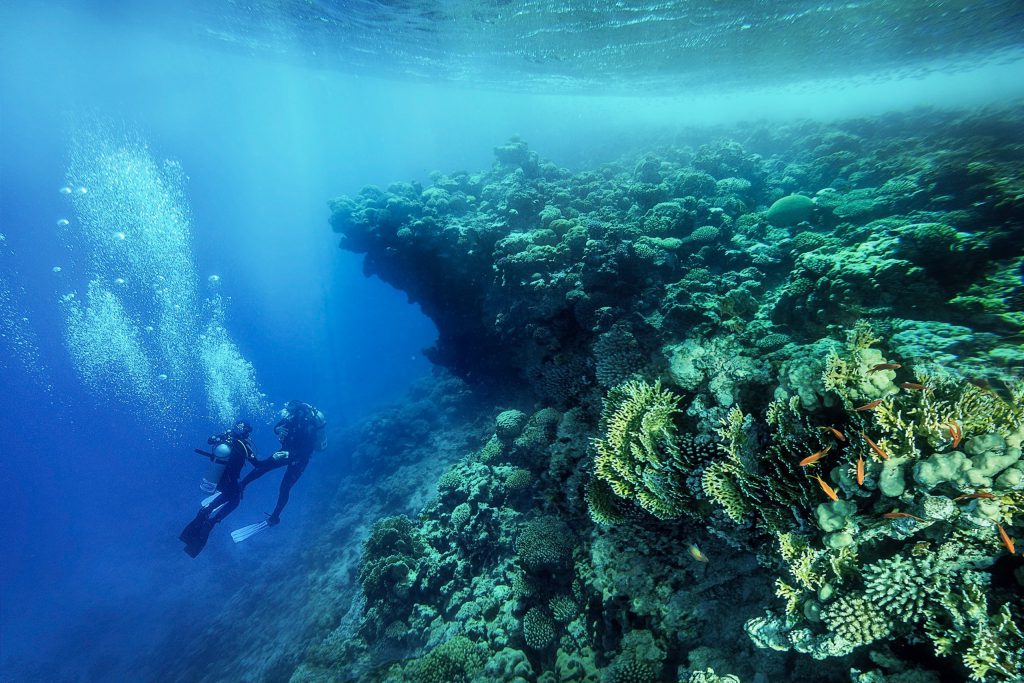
(758, 412)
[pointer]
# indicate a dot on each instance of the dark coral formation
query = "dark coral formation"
(665, 340)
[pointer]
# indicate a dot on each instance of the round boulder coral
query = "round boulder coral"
(790, 210)
(545, 543)
(451, 662)
(509, 424)
(538, 629)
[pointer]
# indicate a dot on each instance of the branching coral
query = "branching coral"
(944, 471)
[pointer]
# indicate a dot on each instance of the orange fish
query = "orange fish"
(835, 432)
(1007, 541)
(860, 470)
(956, 433)
(913, 386)
(868, 406)
(696, 554)
(886, 366)
(815, 457)
(874, 446)
(901, 515)
(977, 494)
(829, 491)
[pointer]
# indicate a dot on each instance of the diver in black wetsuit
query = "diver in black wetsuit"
(301, 431)
(232, 449)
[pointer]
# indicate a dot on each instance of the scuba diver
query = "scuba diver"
(231, 451)
(301, 432)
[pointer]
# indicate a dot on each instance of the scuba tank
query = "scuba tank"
(224, 445)
(300, 420)
(218, 461)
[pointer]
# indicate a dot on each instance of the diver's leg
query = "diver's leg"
(226, 506)
(196, 533)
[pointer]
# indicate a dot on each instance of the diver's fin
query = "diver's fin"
(195, 535)
(209, 499)
(239, 535)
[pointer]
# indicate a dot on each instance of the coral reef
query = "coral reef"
(754, 412)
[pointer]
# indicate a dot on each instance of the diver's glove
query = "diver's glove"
(273, 520)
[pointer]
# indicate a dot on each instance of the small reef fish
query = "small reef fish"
(815, 457)
(835, 432)
(956, 433)
(860, 470)
(874, 446)
(977, 494)
(829, 491)
(870, 406)
(913, 386)
(1007, 541)
(886, 366)
(696, 554)
(902, 515)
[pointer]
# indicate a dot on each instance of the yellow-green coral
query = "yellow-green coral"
(639, 456)
(720, 487)
(802, 560)
(791, 595)
(603, 504)
(991, 645)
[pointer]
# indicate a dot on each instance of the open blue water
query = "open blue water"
(200, 143)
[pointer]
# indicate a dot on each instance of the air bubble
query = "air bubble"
(65, 190)
(83, 190)
(148, 328)
(63, 222)
(120, 235)
(161, 376)
(119, 281)
(214, 279)
(56, 269)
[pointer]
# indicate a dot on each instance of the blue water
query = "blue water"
(94, 485)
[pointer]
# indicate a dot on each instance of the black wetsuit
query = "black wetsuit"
(296, 450)
(229, 495)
